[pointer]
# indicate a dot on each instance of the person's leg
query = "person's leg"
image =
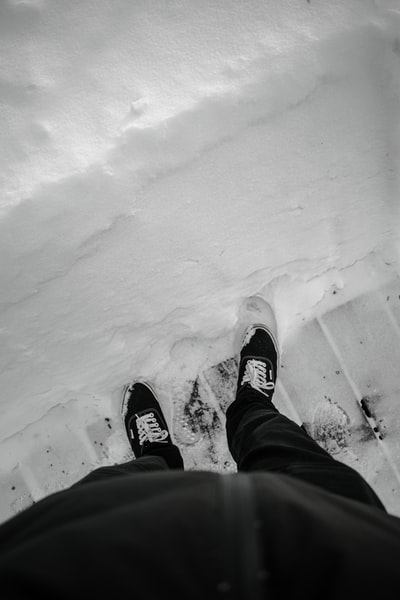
(147, 463)
(163, 458)
(260, 438)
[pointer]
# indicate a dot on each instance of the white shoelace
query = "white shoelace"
(256, 374)
(149, 430)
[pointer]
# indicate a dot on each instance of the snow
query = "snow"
(160, 162)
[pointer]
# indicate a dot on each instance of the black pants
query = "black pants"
(261, 439)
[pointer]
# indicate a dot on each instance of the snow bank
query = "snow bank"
(161, 162)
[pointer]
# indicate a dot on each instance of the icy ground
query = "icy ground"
(160, 164)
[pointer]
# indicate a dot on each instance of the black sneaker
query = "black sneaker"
(258, 363)
(144, 421)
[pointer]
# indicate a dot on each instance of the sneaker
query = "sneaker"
(258, 363)
(144, 420)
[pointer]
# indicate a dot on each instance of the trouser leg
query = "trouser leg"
(161, 458)
(262, 439)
